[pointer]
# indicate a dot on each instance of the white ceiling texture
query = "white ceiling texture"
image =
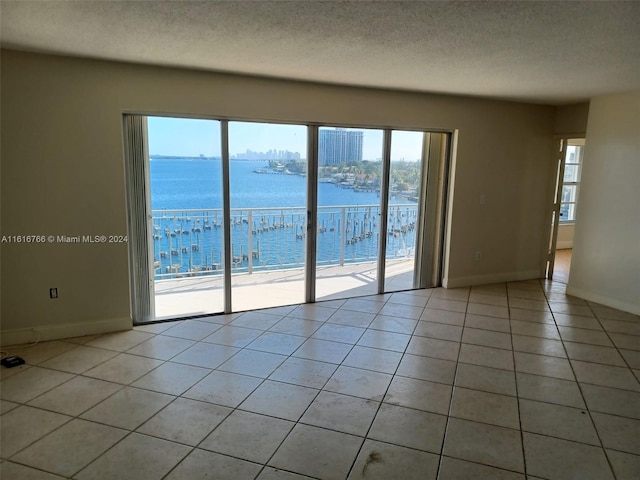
(541, 51)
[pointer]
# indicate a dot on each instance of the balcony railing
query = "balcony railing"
(188, 243)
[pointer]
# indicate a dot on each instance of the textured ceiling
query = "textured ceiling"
(544, 52)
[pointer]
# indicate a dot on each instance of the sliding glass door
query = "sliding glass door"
(247, 215)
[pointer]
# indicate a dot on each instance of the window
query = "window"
(571, 180)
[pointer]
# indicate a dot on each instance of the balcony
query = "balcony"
(268, 255)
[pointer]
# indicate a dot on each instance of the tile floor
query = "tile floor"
(503, 381)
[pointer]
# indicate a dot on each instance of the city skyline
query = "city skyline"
(186, 137)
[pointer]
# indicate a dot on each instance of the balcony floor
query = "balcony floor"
(204, 295)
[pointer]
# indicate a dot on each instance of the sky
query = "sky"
(192, 138)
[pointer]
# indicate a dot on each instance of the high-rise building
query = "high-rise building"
(339, 146)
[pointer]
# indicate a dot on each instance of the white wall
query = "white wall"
(63, 174)
(565, 236)
(605, 266)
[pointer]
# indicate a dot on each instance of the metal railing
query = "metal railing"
(188, 243)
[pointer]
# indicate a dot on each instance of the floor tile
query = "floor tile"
(254, 363)
(455, 469)
(233, 336)
(529, 304)
(24, 425)
(297, 326)
(307, 373)
(577, 321)
(206, 355)
(161, 347)
(612, 400)
(582, 335)
(192, 330)
(552, 390)
(557, 459)
(530, 316)
(625, 465)
(621, 326)
(185, 421)
(30, 383)
(540, 346)
(41, 352)
(223, 388)
(323, 350)
(75, 396)
(405, 298)
(154, 327)
(631, 357)
(393, 324)
(447, 304)
(419, 394)
(359, 383)
(402, 311)
(485, 299)
(361, 305)
(543, 365)
(443, 316)
(270, 473)
(15, 471)
(488, 310)
(137, 457)
(273, 342)
(396, 342)
(384, 361)
(172, 378)
(532, 329)
(317, 452)
(605, 375)
(248, 435)
(120, 341)
(128, 408)
(486, 379)
(570, 309)
(71, 447)
(611, 313)
(200, 464)
(629, 342)
(6, 406)
(557, 421)
(486, 338)
(426, 368)
(80, 359)
(382, 461)
(485, 407)
(280, 400)
(432, 347)
(458, 294)
(257, 319)
(123, 368)
(312, 312)
(352, 318)
(486, 356)
(487, 323)
(409, 428)
(487, 444)
(338, 333)
(441, 331)
(618, 433)
(343, 413)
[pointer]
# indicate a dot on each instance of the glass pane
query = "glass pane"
(567, 212)
(349, 172)
(404, 192)
(571, 173)
(573, 154)
(268, 189)
(185, 171)
(569, 193)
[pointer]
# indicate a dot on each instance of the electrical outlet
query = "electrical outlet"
(53, 293)
(478, 255)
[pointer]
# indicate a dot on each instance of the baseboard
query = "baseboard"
(44, 333)
(564, 245)
(603, 300)
(487, 279)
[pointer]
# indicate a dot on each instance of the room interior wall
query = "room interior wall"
(63, 174)
(605, 265)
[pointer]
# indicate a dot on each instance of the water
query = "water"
(271, 234)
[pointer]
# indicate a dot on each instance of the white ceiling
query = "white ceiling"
(543, 52)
